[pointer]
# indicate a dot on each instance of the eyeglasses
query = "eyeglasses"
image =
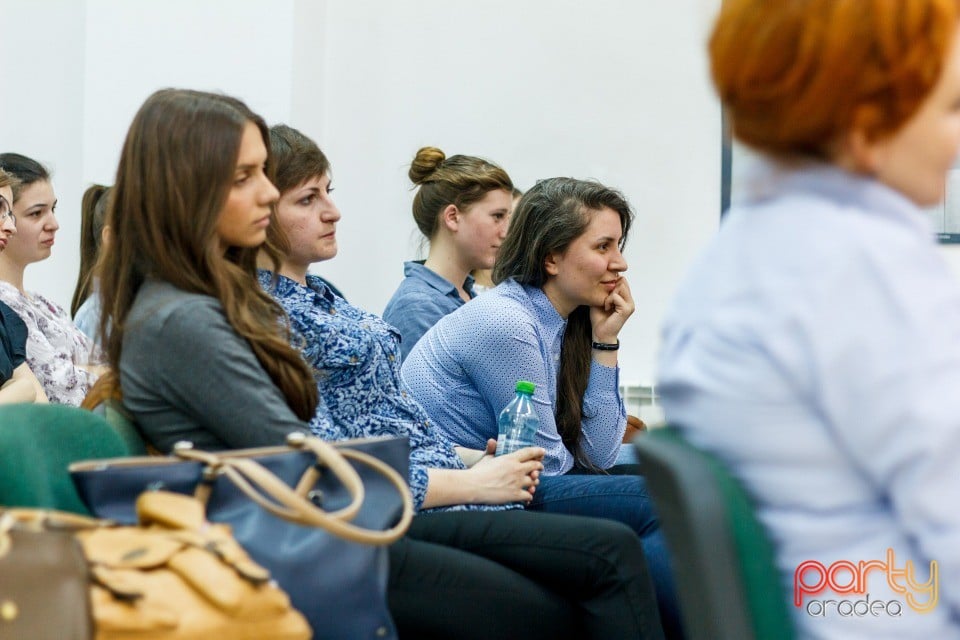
(6, 211)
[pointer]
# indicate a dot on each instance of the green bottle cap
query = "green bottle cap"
(526, 387)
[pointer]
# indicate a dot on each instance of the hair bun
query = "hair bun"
(427, 160)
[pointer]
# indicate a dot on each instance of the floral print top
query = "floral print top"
(55, 347)
(356, 357)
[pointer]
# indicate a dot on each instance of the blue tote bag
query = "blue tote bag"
(317, 515)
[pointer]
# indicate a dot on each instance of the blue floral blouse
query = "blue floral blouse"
(355, 355)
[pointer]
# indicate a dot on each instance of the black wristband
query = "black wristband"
(606, 346)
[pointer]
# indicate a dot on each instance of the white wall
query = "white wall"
(41, 116)
(606, 90)
(613, 89)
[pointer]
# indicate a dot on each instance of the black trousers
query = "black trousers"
(517, 574)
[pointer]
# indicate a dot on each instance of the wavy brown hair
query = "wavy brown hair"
(176, 171)
(551, 215)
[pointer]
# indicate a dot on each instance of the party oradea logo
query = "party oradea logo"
(813, 583)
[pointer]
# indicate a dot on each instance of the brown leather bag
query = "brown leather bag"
(173, 577)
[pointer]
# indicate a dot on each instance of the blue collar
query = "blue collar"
(284, 286)
(415, 269)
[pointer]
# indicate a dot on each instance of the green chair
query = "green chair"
(38, 441)
(113, 412)
(727, 582)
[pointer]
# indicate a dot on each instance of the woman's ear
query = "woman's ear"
(450, 217)
(860, 154)
(856, 149)
(550, 264)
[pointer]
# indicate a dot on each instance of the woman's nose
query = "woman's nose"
(619, 263)
(331, 214)
(269, 194)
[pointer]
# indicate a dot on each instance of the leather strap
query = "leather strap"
(274, 495)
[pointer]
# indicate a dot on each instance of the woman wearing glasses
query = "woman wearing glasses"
(17, 382)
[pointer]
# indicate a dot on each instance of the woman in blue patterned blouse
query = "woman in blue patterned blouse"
(469, 553)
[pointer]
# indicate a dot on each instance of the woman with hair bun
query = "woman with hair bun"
(462, 207)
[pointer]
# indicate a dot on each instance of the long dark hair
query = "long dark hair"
(175, 173)
(93, 213)
(551, 215)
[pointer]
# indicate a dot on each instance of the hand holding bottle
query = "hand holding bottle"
(512, 477)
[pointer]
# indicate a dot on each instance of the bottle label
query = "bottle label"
(500, 438)
(507, 445)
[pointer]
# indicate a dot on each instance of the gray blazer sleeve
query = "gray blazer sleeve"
(186, 374)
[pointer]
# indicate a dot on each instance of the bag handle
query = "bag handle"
(264, 488)
(274, 495)
(325, 454)
(48, 519)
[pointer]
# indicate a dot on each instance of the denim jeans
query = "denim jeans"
(623, 498)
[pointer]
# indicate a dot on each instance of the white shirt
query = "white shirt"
(815, 349)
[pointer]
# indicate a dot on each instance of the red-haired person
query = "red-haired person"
(815, 345)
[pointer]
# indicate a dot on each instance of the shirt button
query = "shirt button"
(353, 359)
(426, 423)
(403, 393)
(333, 311)
(391, 358)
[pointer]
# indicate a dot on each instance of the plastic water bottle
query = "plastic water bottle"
(518, 422)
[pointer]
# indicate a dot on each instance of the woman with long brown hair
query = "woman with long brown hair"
(196, 343)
